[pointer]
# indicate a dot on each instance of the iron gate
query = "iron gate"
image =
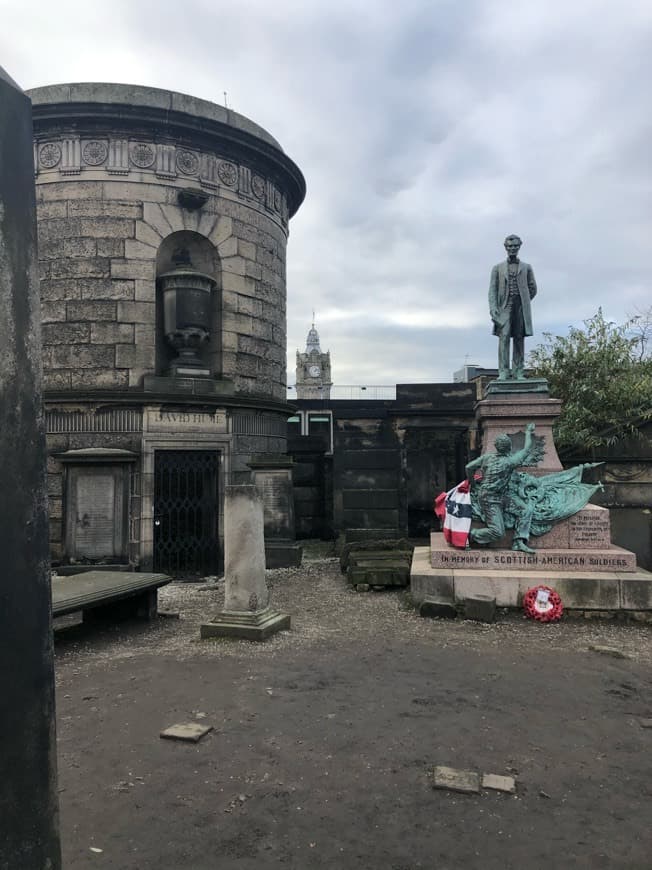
(186, 512)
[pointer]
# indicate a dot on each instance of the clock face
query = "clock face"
(314, 371)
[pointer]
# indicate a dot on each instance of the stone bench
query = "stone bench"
(107, 594)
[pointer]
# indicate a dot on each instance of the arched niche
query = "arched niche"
(196, 250)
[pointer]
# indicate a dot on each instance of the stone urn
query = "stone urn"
(186, 297)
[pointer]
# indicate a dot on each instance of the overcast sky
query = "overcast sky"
(427, 131)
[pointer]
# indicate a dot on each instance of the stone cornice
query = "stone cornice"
(160, 119)
(134, 398)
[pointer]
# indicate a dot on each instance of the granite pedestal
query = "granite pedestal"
(508, 406)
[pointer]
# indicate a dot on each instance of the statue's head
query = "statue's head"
(503, 444)
(513, 245)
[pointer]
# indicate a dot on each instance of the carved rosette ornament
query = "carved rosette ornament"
(187, 162)
(95, 153)
(228, 173)
(142, 155)
(49, 155)
(258, 187)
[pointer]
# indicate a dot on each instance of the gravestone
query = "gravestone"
(29, 837)
(247, 613)
(273, 476)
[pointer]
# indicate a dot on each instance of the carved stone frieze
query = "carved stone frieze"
(119, 156)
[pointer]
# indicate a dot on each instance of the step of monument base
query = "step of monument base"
(579, 589)
(246, 626)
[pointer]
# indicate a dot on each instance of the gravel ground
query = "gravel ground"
(325, 737)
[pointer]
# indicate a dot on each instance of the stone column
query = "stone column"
(29, 837)
(246, 613)
(273, 477)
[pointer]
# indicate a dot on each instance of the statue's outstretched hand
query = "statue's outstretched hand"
(529, 427)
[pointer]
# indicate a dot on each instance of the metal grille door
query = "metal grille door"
(186, 512)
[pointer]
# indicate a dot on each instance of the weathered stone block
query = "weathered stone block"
(233, 265)
(56, 380)
(106, 289)
(78, 248)
(481, 608)
(498, 585)
(495, 782)
(438, 608)
(54, 230)
(145, 333)
(135, 250)
(451, 779)
(136, 312)
(78, 356)
(65, 333)
(99, 379)
(68, 190)
(86, 267)
(249, 305)
(135, 355)
(147, 234)
(139, 192)
(48, 210)
(110, 247)
(246, 249)
(154, 217)
(636, 592)
(261, 329)
(112, 333)
(88, 310)
(145, 290)
(52, 312)
(379, 573)
(133, 269)
(239, 284)
(596, 592)
(107, 228)
(105, 208)
(228, 247)
(237, 323)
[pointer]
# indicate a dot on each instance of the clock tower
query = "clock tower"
(313, 370)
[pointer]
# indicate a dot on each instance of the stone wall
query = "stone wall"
(127, 178)
(98, 242)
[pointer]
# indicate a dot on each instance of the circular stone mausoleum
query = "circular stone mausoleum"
(163, 223)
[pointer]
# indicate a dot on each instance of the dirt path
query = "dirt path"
(325, 736)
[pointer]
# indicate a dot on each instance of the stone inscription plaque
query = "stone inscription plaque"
(163, 420)
(590, 529)
(605, 559)
(276, 494)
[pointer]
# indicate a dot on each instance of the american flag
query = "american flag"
(454, 510)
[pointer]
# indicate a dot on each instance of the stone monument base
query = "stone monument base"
(248, 626)
(581, 587)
